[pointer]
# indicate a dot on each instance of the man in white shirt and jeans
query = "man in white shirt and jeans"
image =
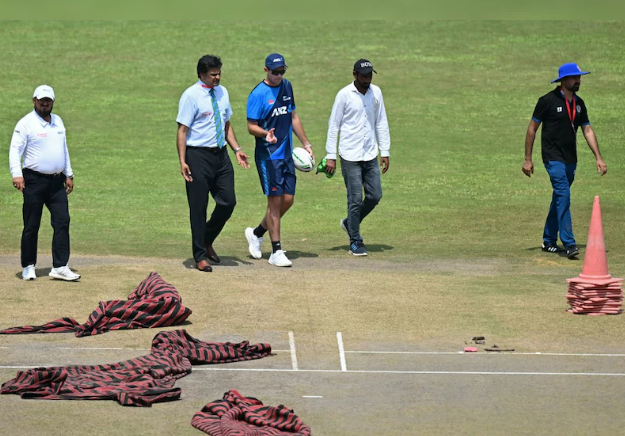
(358, 115)
(46, 178)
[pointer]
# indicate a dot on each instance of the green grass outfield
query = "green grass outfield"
(454, 244)
(459, 96)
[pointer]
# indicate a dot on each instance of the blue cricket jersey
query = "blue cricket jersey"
(271, 106)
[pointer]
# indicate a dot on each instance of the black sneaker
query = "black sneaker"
(572, 251)
(357, 249)
(552, 248)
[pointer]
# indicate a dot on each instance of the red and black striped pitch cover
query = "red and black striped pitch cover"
(236, 415)
(200, 352)
(137, 382)
(154, 303)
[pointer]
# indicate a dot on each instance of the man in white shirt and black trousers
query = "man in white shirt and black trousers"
(359, 116)
(204, 130)
(46, 178)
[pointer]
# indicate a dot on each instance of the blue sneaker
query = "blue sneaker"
(357, 249)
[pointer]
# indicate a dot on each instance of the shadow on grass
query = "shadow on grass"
(225, 261)
(372, 248)
(294, 254)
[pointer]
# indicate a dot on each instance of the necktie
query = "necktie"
(218, 127)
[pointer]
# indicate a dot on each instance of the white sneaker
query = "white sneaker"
(344, 225)
(29, 273)
(64, 273)
(254, 242)
(279, 259)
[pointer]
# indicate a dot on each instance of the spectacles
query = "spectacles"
(278, 72)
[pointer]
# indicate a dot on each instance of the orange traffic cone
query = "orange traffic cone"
(595, 269)
(595, 260)
(595, 291)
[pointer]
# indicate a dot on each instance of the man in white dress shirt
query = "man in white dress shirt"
(46, 177)
(359, 116)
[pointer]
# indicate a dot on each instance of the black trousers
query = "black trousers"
(213, 174)
(40, 189)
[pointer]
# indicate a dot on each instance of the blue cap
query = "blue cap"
(569, 70)
(275, 60)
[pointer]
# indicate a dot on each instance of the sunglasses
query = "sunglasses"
(278, 72)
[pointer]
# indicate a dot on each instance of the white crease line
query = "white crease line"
(78, 348)
(336, 371)
(292, 347)
(434, 353)
(501, 353)
(339, 339)
(101, 348)
(407, 352)
(312, 396)
(32, 366)
(97, 348)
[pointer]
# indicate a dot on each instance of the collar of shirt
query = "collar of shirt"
(205, 87)
(354, 89)
(562, 93)
(44, 122)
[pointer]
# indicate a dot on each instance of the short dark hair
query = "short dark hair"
(207, 62)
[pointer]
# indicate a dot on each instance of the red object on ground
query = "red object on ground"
(595, 291)
(142, 381)
(236, 415)
(470, 349)
(595, 260)
(154, 303)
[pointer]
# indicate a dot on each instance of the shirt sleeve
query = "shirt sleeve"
(228, 109)
(254, 106)
(228, 112)
(583, 114)
(292, 97)
(68, 165)
(540, 110)
(16, 149)
(187, 109)
(334, 125)
(381, 128)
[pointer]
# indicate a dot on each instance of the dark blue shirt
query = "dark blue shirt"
(271, 107)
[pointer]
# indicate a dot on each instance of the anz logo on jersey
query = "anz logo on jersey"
(279, 111)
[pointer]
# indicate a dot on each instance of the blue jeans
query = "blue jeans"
(559, 217)
(359, 175)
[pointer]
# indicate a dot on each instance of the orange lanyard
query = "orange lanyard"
(571, 110)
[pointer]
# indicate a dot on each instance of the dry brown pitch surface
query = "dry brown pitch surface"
(402, 326)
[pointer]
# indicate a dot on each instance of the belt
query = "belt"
(211, 149)
(37, 173)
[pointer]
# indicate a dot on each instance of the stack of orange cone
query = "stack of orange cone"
(595, 291)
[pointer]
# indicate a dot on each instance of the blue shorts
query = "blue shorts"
(277, 177)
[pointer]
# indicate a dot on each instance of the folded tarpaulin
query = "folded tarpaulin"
(154, 303)
(136, 382)
(236, 415)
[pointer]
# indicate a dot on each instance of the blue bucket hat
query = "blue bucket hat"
(569, 70)
(275, 60)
